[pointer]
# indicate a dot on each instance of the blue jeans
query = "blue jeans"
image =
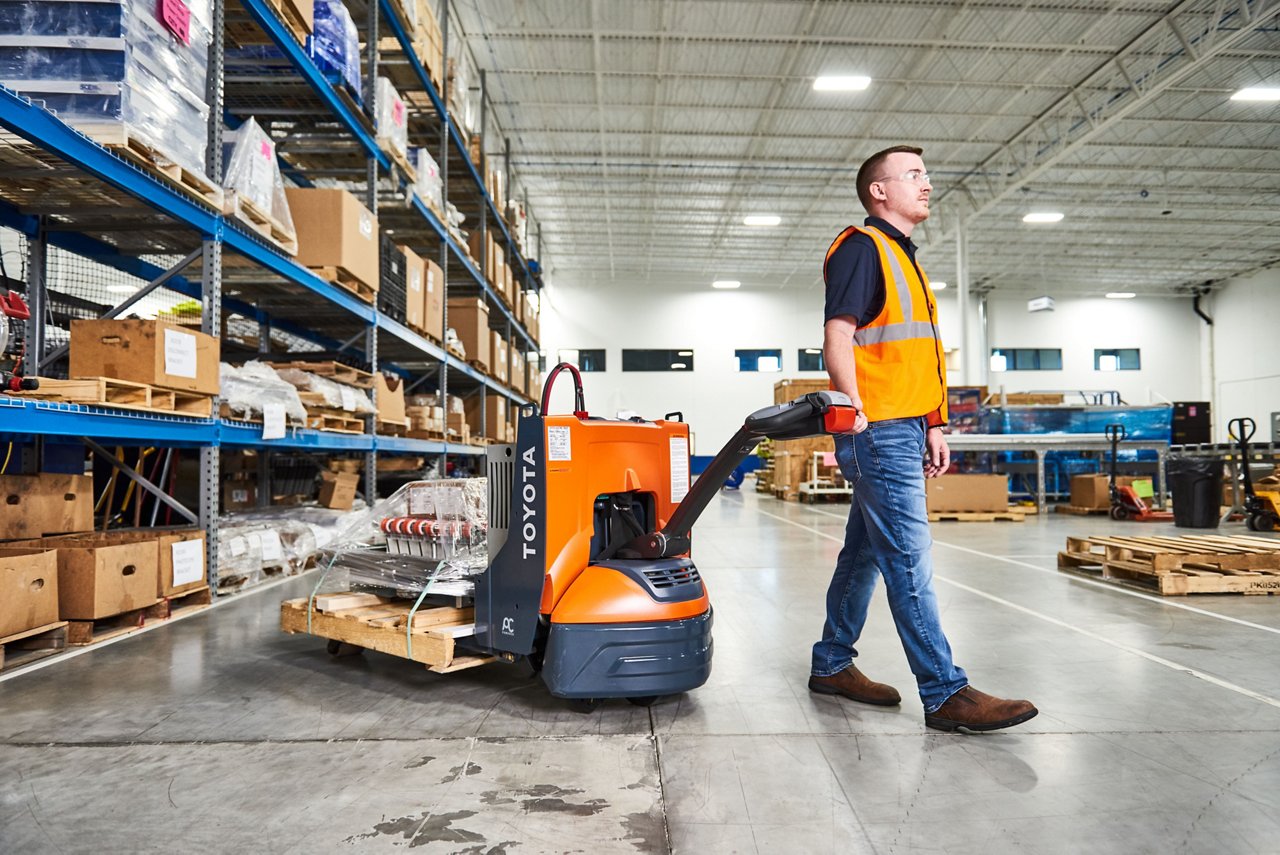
(888, 535)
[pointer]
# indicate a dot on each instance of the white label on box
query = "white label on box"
(558, 444)
(179, 354)
(273, 420)
(239, 495)
(188, 562)
(272, 550)
(366, 224)
(431, 281)
(348, 398)
(238, 546)
(415, 281)
(420, 501)
(679, 468)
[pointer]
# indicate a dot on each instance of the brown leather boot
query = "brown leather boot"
(854, 685)
(974, 710)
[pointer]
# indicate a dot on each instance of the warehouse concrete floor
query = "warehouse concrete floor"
(1159, 728)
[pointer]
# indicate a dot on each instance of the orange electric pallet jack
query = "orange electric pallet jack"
(590, 576)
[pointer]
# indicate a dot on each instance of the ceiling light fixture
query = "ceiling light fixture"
(761, 220)
(812, 350)
(684, 353)
(1258, 93)
(838, 83)
(938, 286)
(1120, 295)
(1043, 217)
(678, 365)
(726, 284)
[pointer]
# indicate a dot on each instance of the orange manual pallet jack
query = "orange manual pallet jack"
(590, 576)
(1126, 504)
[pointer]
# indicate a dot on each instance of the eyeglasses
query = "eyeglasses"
(915, 176)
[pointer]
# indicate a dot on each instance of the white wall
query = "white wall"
(716, 396)
(1165, 330)
(1246, 320)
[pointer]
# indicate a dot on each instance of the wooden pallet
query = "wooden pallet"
(123, 395)
(181, 604)
(24, 647)
(344, 280)
(399, 158)
(435, 435)
(261, 222)
(335, 371)
(83, 632)
(1176, 566)
(247, 32)
(379, 623)
(388, 428)
(125, 142)
(1076, 510)
(334, 421)
(1014, 514)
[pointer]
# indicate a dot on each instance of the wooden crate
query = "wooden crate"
(381, 624)
(1175, 566)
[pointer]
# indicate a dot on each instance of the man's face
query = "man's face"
(903, 188)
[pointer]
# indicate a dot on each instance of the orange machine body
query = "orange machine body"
(587, 458)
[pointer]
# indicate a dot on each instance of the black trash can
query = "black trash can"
(1196, 485)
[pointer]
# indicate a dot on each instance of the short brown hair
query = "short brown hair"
(867, 173)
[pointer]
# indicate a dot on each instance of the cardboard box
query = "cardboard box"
(303, 12)
(509, 287)
(335, 230)
(518, 379)
(28, 589)
(154, 352)
(179, 554)
(469, 318)
(338, 490)
(498, 352)
(785, 391)
(390, 391)
(415, 290)
(967, 493)
(433, 321)
(96, 581)
(495, 416)
(1094, 491)
(48, 503)
(239, 495)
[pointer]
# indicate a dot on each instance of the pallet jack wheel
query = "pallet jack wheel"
(646, 701)
(339, 649)
(1119, 513)
(1261, 522)
(584, 705)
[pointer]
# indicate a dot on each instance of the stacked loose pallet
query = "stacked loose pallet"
(1200, 564)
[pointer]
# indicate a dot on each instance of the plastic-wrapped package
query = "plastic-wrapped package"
(253, 172)
(115, 61)
(429, 186)
(246, 389)
(252, 551)
(392, 118)
(338, 396)
(334, 43)
(429, 533)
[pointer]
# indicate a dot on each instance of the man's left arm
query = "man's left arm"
(937, 459)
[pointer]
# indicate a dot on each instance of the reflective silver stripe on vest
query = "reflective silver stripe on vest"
(893, 332)
(899, 278)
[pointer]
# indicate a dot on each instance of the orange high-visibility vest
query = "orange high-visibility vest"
(901, 366)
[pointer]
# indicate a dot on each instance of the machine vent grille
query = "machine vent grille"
(673, 577)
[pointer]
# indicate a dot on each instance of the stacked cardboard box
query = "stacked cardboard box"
(967, 494)
(495, 419)
(336, 233)
(469, 318)
(157, 353)
(792, 458)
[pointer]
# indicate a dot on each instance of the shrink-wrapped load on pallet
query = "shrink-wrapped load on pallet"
(429, 186)
(429, 535)
(272, 543)
(335, 44)
(336, 396)
(253, 173)
(248, 389)
(127, 72)
(392, 119)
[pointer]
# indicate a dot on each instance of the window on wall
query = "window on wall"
(657, 360)
(810, 359)
(759, 360)
(1117, 359)
(586, 360)
(1026, 359)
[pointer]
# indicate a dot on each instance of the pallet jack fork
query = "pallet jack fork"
(1126, 504)
(1261, 507)
(590, 577)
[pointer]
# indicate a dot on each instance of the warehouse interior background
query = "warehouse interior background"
(379, 224)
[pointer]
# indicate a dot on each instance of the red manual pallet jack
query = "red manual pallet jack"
(1126, 504)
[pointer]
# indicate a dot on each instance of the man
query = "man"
(882, 349)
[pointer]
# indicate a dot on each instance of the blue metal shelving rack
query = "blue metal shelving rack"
(263, 283)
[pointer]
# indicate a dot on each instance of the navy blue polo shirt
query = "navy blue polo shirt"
(855, 283)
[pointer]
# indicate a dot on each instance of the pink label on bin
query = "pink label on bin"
(1191, 411)
(176, 18)
(266, 149)
(397, 112)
